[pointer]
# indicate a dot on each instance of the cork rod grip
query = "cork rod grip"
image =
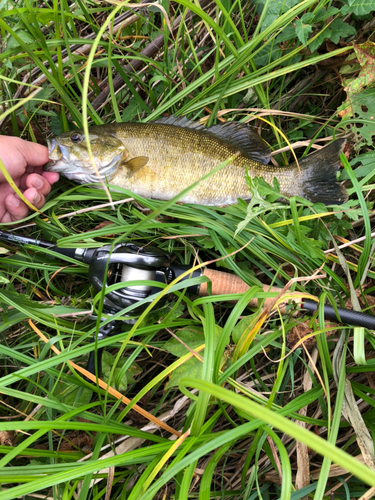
(225, 283)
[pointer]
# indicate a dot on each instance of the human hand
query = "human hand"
(24, 161)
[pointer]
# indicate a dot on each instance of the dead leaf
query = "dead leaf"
(101, 225)
(7, 438)
(334, 470)
(302, 330)
(359, 99)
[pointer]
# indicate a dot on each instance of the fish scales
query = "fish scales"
(159, 160)
(172, 167)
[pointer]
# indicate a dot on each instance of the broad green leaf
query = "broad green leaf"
(241, 326)
(307, 18)
(73, 395)
(192, 368)
(338, 29)
(367, 160)
(56, 125)
(302, 31)
(193, 337)
(317, 42)
(362, 105)
(360, 98)
(24, 36)
(128, 378)
(266, 55)
(131, 111)
(323, 14)
(275, 9)
(358, 7)
(287, 34)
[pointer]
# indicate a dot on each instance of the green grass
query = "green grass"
(237, 402)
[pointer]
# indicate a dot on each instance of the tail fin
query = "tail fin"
(319, 170)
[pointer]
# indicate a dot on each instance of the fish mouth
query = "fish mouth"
(55, 151)
(77, 172)
(51, 143)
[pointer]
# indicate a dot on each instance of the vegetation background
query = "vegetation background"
(260, 405)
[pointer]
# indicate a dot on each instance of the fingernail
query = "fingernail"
(14, 201)
(37, 198)
(37, 183)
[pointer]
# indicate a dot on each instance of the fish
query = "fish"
(158, 160)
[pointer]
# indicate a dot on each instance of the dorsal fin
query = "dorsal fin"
(180, 121)
(240, 136)
(236, 134)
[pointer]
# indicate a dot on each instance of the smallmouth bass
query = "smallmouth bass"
(159, 159)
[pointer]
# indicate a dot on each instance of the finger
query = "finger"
(34, 154)
(16, 209)
(51, 177)
(35, 197)
(39, 182)
(17, 154)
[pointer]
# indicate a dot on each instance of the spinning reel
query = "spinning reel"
(127, 262)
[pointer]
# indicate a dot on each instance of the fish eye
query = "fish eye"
(76, 137)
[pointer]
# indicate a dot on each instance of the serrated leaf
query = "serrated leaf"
(307, 17)
(317, 42)
(275, 9)
(131, 111)
(324, 14)
(368, 162)
(259, 188)
(287, 34)
(339, 30)
(359, 101)
(363, 110)
(348, 210)
(302, 31)
(358, 7)
(267, 54)
(205, 243)
(310, 247)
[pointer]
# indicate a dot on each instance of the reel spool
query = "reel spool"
(127, 262)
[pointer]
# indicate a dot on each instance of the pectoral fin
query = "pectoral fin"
(134, 164)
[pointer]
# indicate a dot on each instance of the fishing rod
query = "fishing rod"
(127, 262)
